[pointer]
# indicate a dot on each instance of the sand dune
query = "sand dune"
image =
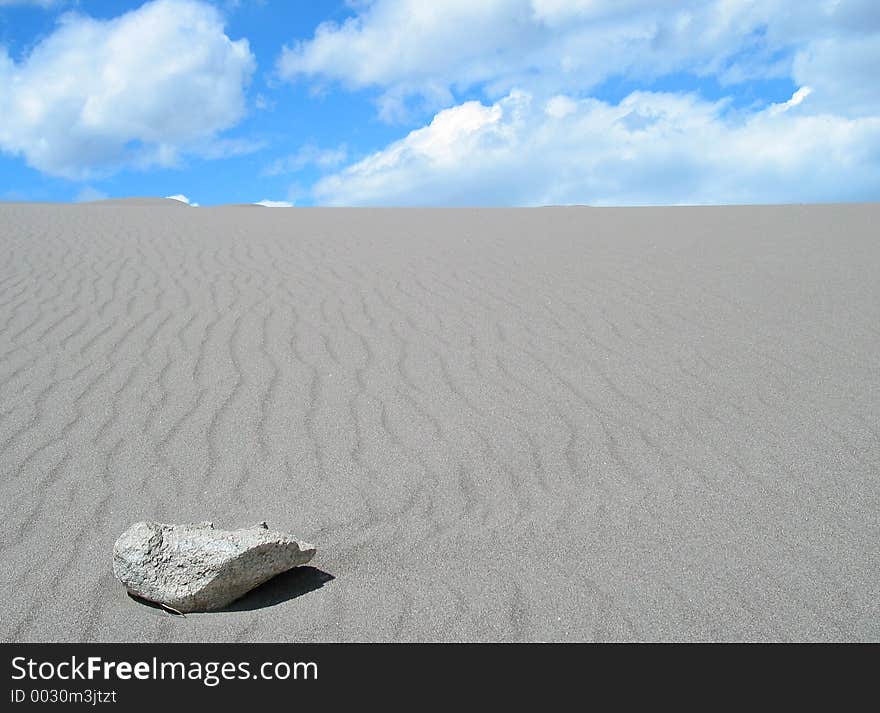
(556, 424)
(141, 202)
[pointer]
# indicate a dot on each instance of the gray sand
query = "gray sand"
(555, 424)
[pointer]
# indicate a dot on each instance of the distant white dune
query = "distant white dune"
(180, 199)
(183, 199)
(274, 204)
(145, 201)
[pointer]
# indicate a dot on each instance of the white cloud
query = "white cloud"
(215, 148)
(537, 139)
(274, 204)
(843, 74)
(650, 148)
(402, 40)
(263, 103)
(138, 89)
(308, 155)
(183, 199)
(411, 47)
(560, 106)
(796, 99)
(38, 3)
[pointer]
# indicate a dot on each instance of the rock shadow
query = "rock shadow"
(286, 586)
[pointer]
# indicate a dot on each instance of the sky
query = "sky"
(460, 102)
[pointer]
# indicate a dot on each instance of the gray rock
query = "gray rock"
(197, 568)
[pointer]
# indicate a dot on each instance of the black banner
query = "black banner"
(123, 676)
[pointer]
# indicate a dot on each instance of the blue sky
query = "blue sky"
(403, 102)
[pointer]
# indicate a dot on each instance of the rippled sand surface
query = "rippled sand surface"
(531, 424)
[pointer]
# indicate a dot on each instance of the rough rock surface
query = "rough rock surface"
(194, 567)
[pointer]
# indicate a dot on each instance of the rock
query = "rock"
(197, 568)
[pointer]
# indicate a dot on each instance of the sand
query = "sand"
(502, 425)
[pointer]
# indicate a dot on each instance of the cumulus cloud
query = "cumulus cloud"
(843, 74)
(139, 89)
(649, 148)
(537, 137)
(411, 47)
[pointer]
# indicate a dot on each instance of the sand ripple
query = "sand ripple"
(556, 424)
